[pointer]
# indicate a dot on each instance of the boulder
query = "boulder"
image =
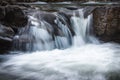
(3, 3)
(6, 31)
(88, 10)
(6, 35)
(14, 17)
(107, 23)
(2, 13)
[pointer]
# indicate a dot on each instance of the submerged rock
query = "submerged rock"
(50, 21)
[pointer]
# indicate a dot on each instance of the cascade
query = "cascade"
(80, 26)
(60, 48)
(48, 35)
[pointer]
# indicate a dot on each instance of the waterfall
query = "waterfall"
(60, 47)
(80, 26)
(46, 38)
(57, 33)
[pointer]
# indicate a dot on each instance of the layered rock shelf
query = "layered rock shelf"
(12, 17)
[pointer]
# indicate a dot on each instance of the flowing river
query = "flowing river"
(60, 54)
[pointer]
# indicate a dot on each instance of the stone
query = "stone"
(6, 31)
(6, 35)
(3, 3)
(88, 10)
(2, 13)
(14, 17)
(106, 21)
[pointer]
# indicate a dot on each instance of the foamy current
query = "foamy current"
(88, 62)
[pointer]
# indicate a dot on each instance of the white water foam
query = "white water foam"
(82, 61)
(88, 62)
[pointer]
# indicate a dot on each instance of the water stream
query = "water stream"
(61, 55)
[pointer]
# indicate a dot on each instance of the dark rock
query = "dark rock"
(113, 75)
(15, 1)
(3, 3)
(107, 23)
(25, 0)
(5, 45)
(2, 13)
(14, 17)
(6, 31)
(88, 10)
(72, 8)
(6, 35)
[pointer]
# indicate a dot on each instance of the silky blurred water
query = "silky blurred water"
(78, 57)
(88, 62)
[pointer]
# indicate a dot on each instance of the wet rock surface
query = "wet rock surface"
(107, 23)
(12, 17)
(6, 35)
(14, 1)
(76, 0)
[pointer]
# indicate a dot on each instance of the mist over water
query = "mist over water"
(78, 57)
(88, 62)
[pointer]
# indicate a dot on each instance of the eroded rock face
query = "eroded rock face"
(12, 18)
(107, 23)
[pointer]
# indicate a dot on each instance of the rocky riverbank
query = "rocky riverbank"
(14, 1)
(12, 17)
(107, 23)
